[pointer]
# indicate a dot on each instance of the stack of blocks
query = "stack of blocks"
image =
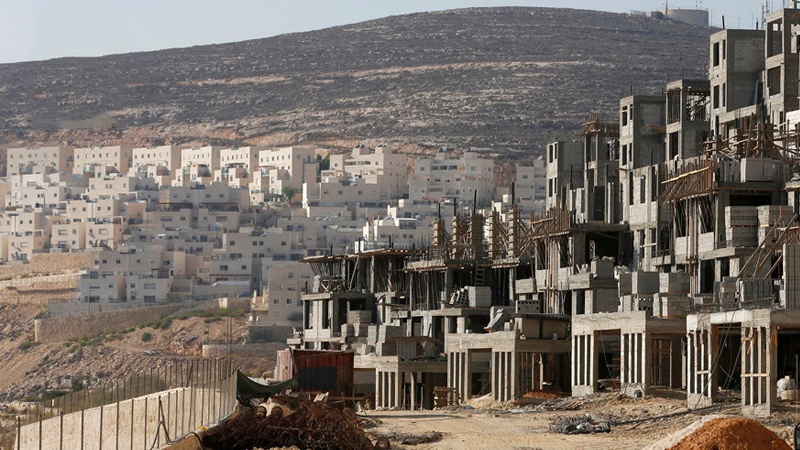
(741, 228)
(768, 216)
(672, 299)
(726, 290)
(791, 275)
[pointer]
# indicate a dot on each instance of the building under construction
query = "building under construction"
(669, 257)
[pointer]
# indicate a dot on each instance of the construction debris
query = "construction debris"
(580, 425)
(310, 426)
(410, 438)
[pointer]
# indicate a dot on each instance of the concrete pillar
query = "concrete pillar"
(378, 387)
(514, 374)
(467, 374)
(494, 372)
(624, 378)
(413, 391)
(398, 386)
(647, 356)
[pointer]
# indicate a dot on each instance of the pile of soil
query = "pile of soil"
(731, 434)
(544, 395)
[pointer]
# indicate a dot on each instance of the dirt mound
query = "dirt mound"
(731, 434)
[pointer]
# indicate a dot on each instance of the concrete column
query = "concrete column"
(467, 363)
(507, 376)
(691, 363)
(494, 372)
(378, 387)
(623, 360)
(514, 374)
(772, 368)
(398, 386)
(574, 362)
(647, 355)
(413, 391)
(594, 361)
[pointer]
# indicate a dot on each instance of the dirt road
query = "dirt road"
(528, 430)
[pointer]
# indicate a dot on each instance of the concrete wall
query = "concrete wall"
(65, 328)
(254, 350)
(133, 424)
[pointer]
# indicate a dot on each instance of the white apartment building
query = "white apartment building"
(102, 160)
(162, 163)
(285, 168)
(20, 161)
(379, 166)
(28, 232)
(396, 232)
(282, 300)
(530, 188)
(197, 165)
(443, 178)
(238, 166)
(45, 190)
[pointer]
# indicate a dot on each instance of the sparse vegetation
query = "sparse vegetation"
(28, 344)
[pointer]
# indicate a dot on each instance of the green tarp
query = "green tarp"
(247, 389)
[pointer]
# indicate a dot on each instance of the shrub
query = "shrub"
(147, 337)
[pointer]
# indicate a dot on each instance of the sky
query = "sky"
(45, 29)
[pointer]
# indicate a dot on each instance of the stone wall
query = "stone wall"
(65, 328)
(252, 350)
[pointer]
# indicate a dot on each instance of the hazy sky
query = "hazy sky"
(44, 29)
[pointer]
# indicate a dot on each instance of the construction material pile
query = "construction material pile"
(731, 433)
(306, 425)
(580, 425)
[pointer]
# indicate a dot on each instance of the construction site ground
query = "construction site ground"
(511, 427)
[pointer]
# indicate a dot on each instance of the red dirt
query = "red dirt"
(731, 434)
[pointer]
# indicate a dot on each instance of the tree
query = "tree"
(288, 193)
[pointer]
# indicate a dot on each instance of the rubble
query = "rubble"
(580, 425)
(312, 425)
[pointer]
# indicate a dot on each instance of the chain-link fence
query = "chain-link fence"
(144, 411)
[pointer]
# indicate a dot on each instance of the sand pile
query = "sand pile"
(731, 433)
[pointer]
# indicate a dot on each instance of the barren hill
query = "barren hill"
(502, 80)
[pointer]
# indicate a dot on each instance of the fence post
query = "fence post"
(40, 431)
(159, 415)
(61, 431)
(145, 423)
(82, 429)
(101, 427)
(116, 444)
(131, 428)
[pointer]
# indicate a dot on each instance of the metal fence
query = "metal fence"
(144, 411)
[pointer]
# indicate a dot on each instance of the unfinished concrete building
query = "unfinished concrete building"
(668, 258)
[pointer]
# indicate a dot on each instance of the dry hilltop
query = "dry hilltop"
(499, 80)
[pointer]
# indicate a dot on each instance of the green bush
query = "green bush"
(147, 337)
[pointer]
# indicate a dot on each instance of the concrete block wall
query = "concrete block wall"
(65, 328)
(755, 289)
(742, 236)
(644, 282)
(791, 276)
(741, 216)
(674, 283)
(666, 305)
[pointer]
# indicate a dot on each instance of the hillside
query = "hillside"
(502, 80)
